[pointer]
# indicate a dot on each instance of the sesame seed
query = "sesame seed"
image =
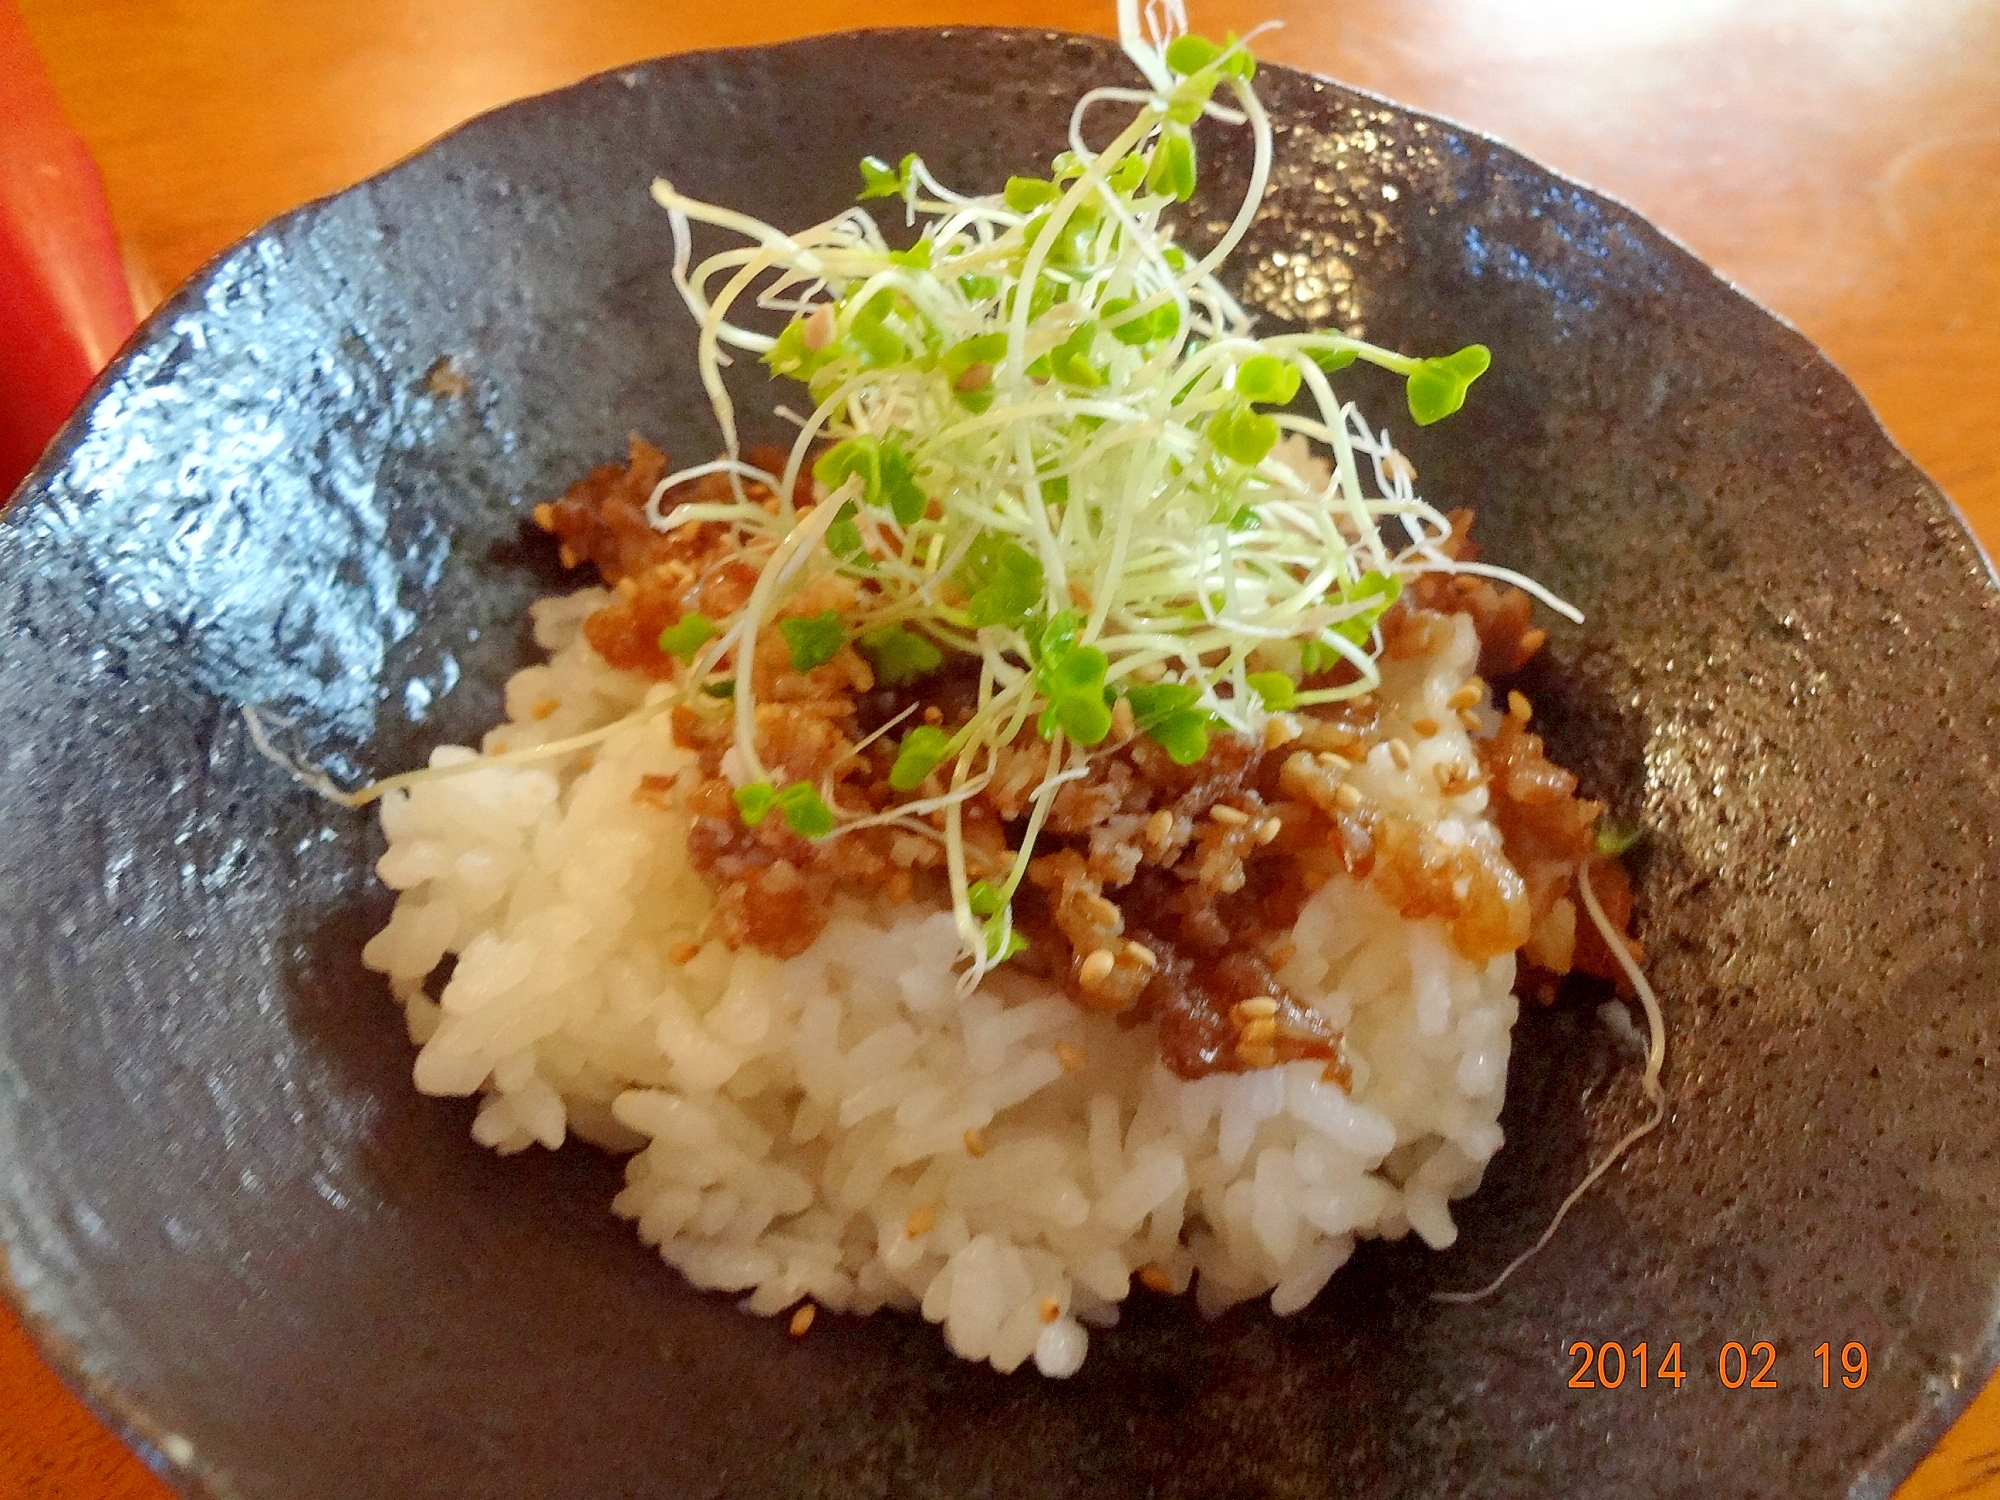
(1348, 797)
(545, 516)
(1160, 827)
(1280, 730)
(1269, 829)
(1400, 754)
(1103, 912)
(1156, 1277)
(803, 1319)
(819, 329)
(1259, 1005)
(975, 1142)
(1050, 1309)
(1518, 706)
(1096, 968)
(1256, 1054)
(1257, 1031)
(1139, 953)
(1424, 727)
(1334, 762)
(921, 1220)
(1469, 719)
(683, 953)
(1533, 640)
(1234, 817)
(1070, 1056)
(544, 709)
(1465, 697)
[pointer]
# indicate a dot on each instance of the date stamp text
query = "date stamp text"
(1611, 1366)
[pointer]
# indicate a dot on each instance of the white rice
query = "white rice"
(806, 1128)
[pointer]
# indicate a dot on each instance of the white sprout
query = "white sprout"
(1656, 1059)
(1066, 398)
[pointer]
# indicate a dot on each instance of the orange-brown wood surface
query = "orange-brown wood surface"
(1838, 159)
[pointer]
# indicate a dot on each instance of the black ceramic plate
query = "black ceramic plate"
(239, 1232)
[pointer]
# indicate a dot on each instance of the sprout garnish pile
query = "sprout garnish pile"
(1045, 436)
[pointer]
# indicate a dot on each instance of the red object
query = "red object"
(64, 303)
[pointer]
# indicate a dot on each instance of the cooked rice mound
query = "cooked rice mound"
(842, 1126)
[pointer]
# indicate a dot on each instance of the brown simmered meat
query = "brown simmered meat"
(1508, 638)
(1160, 893)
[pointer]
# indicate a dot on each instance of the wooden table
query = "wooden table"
(1837, 160)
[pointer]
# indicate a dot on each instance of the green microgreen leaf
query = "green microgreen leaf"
(886, 471)
(1059, 634)
(922, 751)
(1070, 361)
(1377, 591)
(1003, 579)
(1614, 839)
(1171, 170)
(999, 949)
(843, 537)
(1185, 104)
(984, 898)
(1437, 386)
(979, 288)
(805, 814)
(916, 258)
(1237, 61)
(814, 640)
(900, 655)
(1024, 194)
(687, 635)
(1190, 53)
(1071, 678)
(1316, 656)
(1167, 712)
(753, 802)
(880, 180)
(722, 687)
(1162, 323)
(1241, 433)
(1330, 358)
(869, 335)
(968, 368)
(1277, 691)
(1071, 245)
(1127, 174)
(1266, 379)
(790, 356)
